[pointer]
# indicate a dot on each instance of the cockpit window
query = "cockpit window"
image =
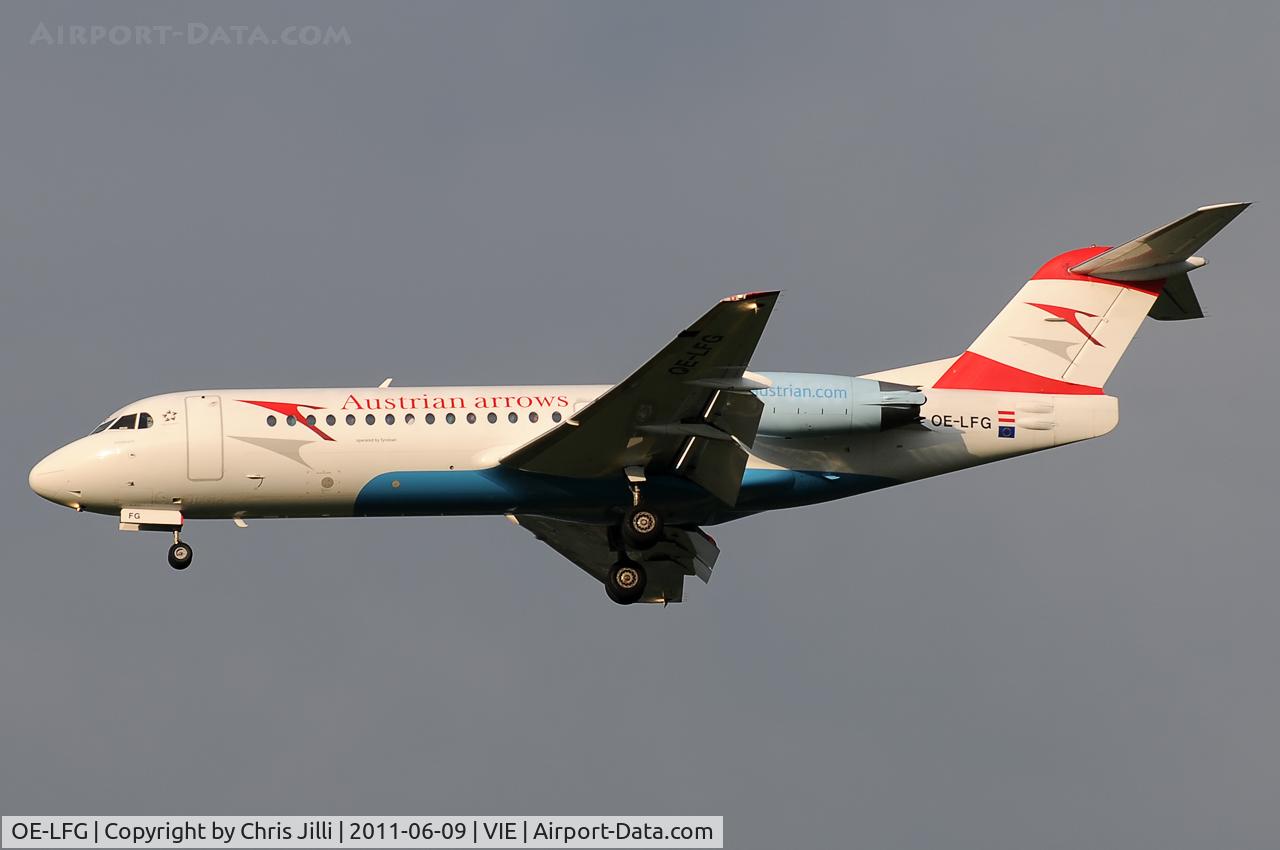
(126, 423)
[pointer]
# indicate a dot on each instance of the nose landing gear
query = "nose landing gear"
(179, 553)
(160, 519)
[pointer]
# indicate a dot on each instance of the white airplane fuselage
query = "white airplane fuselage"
(434, 451)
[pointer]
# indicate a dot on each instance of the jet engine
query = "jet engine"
(799, 404)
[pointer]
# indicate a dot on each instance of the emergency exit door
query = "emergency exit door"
(204, 437)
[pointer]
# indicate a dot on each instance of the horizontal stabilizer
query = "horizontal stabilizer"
(1165, 252)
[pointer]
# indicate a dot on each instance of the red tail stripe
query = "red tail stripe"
(974, 372)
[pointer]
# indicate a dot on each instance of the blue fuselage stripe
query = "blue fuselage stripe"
(499, 490)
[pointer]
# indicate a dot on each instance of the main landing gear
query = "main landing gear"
(179, 553)
(625, 583)
(640, 529)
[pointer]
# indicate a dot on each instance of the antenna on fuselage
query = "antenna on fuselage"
(386, 382)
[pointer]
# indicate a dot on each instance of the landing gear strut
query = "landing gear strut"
(641, 526)
(639, 529)
(179, 553)
(625, 583)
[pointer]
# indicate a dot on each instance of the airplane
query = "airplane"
(622, 479)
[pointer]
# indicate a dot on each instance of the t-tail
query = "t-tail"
(1066, 329)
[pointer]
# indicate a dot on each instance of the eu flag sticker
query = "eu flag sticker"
(1005, 431)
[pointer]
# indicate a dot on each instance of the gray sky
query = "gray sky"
(1076, 649)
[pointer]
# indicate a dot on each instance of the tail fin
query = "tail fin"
(1066, 329)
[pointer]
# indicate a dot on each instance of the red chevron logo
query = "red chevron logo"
(1071, 317)
(285, 408)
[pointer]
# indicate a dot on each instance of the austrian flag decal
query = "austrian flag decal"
(1006, 421)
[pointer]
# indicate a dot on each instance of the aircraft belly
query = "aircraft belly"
(774, 489)
(500, 490)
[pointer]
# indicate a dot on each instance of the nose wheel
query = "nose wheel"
(179, 553)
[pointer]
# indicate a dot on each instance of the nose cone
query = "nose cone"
(50, 480)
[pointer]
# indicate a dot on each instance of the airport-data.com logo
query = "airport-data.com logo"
(191, 34)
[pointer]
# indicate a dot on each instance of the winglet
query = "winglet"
(748, 296)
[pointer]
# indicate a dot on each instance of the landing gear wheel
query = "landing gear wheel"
(180, 555)
(625, 583)
(641, 527)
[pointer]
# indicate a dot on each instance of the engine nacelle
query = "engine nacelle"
(799, 404)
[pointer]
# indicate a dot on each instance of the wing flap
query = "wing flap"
(737, 414)
(714, 465)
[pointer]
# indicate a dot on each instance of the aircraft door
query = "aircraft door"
(204, 437)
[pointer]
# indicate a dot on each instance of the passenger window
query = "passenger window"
(471, 419)
(271, 422)
(391, 419)
(512, 418)
(431, 418)
(493, 417)
(408, 419)
(533, 416)
(555, 417)
(351, 419)
(450, 418)
(368, 419)
(331, 419)
(145, 421)
(311, 419)
(124, 423)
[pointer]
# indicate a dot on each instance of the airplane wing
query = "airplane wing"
(688, 411)
(683, 552)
